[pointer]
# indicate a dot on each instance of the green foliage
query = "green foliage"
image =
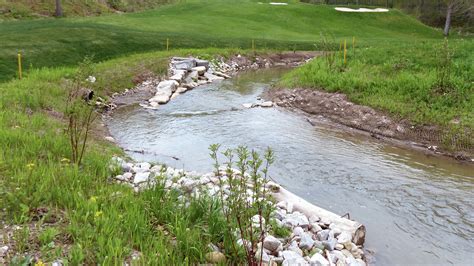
(21, 237)
(243, 195)
(48, 235)
(443, 74)
(279, 231)
(80, 110)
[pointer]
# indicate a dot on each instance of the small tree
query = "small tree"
(59, 9)
(245, 200)
(453, 7)
(80, 111)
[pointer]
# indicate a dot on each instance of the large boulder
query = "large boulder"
(141, 177)
(216, 257)
(164, 90)
(203, 63)
(212, 77)
(306, 241)
(200, 70)
(293, 258)
(271, 243)
(160, 99)
(296, 219)
(183, 63)
(318, 260)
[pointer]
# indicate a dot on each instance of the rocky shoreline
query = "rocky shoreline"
(187, 73)
(313, 240)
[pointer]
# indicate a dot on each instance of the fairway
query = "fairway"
(196, 24)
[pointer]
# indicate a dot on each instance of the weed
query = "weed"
(244, 198)
(21, 237)
(328, 47)
(443, 69)
(278, 230)
(48, 235)
(80, 111)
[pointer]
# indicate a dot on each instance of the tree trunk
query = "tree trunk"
(447, 25)
(59, 9)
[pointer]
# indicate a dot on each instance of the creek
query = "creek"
(418, 209)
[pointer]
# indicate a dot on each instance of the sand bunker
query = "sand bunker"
(361, 10)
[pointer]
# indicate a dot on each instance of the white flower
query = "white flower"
(91, 79)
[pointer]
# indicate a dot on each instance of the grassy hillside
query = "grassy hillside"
(24, 9)
(195, 24)
(404, 80)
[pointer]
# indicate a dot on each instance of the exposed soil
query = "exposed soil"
(337, 108)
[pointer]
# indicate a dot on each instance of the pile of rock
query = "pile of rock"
(313, 241)
(264, 104)
(186, 73)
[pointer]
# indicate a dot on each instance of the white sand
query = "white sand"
(361, 10)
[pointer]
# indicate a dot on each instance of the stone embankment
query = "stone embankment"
(314, 240)
(187, 73)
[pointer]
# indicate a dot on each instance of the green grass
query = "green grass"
(399, 79)
(96, 221)
(194, 24)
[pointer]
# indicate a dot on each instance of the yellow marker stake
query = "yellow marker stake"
(19, 66)
(167, 44)
(345, 53)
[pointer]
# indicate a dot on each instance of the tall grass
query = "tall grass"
(88, 218)
(403, 80)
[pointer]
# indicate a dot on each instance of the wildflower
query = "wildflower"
(30, 166)
(98, 214)
(39, 263)
(91, 79)
(65, 160)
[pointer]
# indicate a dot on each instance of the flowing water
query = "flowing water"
(417, 209)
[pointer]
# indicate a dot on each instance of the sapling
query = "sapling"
(80, 111)
(244, 199)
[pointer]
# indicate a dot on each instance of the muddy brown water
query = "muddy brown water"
(417, 209)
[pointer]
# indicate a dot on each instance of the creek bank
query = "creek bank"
(318, 237)
(315, 239)
(181, 70)
(337, 108)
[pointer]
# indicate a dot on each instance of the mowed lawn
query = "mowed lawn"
(195, 24)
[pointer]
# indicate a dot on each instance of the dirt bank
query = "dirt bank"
(337, 108)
